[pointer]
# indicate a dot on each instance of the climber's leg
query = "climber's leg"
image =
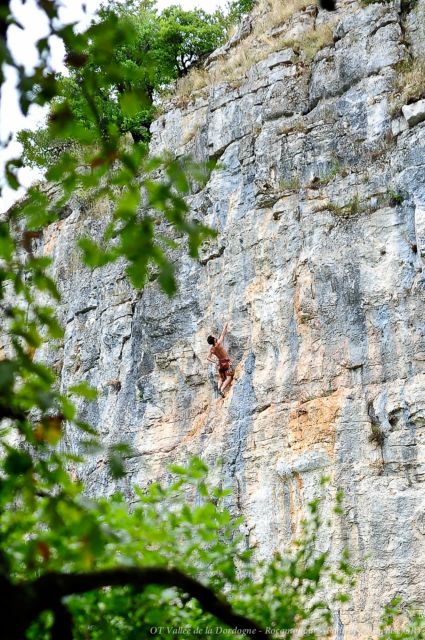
(227, 382)
(220, 383)
(222, 374)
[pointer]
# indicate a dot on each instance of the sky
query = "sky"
(24, 51)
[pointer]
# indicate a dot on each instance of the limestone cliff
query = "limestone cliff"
(319, 201)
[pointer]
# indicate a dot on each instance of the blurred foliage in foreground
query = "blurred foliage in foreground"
(74, 567)
(163, 531)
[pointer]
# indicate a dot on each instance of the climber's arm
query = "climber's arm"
(223, 333)
(210, 359)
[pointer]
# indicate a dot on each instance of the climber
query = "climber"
(222, 360)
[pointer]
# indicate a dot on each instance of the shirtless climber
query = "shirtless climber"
(221, 359)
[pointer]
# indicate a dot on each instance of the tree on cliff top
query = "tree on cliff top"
(162, 48)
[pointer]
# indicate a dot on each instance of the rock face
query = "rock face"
(319, 203)
(414, 113)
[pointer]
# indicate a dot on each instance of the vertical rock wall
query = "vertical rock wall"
(319, 203)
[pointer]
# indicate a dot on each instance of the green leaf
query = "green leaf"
(17, 462)
(47, 318)
(127, 205)
(132, 102)
(7, 246)
(87, 428)
(84, 390)
(7, 374)
(167, 279)
(93, 255)
(11, 176)
(116, 465)
(137, 273)
(174, 468)
(178, 177)
(203, 491)
(68, 409)
(43, 282)
(36, 210)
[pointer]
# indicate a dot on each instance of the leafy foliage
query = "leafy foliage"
(237, 8)
(392, 629)
(184, 37)
(162, 530)
(143, 52)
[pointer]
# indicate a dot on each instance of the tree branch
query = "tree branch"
(62, 626)
(52, 587)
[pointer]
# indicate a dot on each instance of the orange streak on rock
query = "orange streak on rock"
(312, 423)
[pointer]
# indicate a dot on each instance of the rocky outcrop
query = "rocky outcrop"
(319, 203)
(414, 113)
